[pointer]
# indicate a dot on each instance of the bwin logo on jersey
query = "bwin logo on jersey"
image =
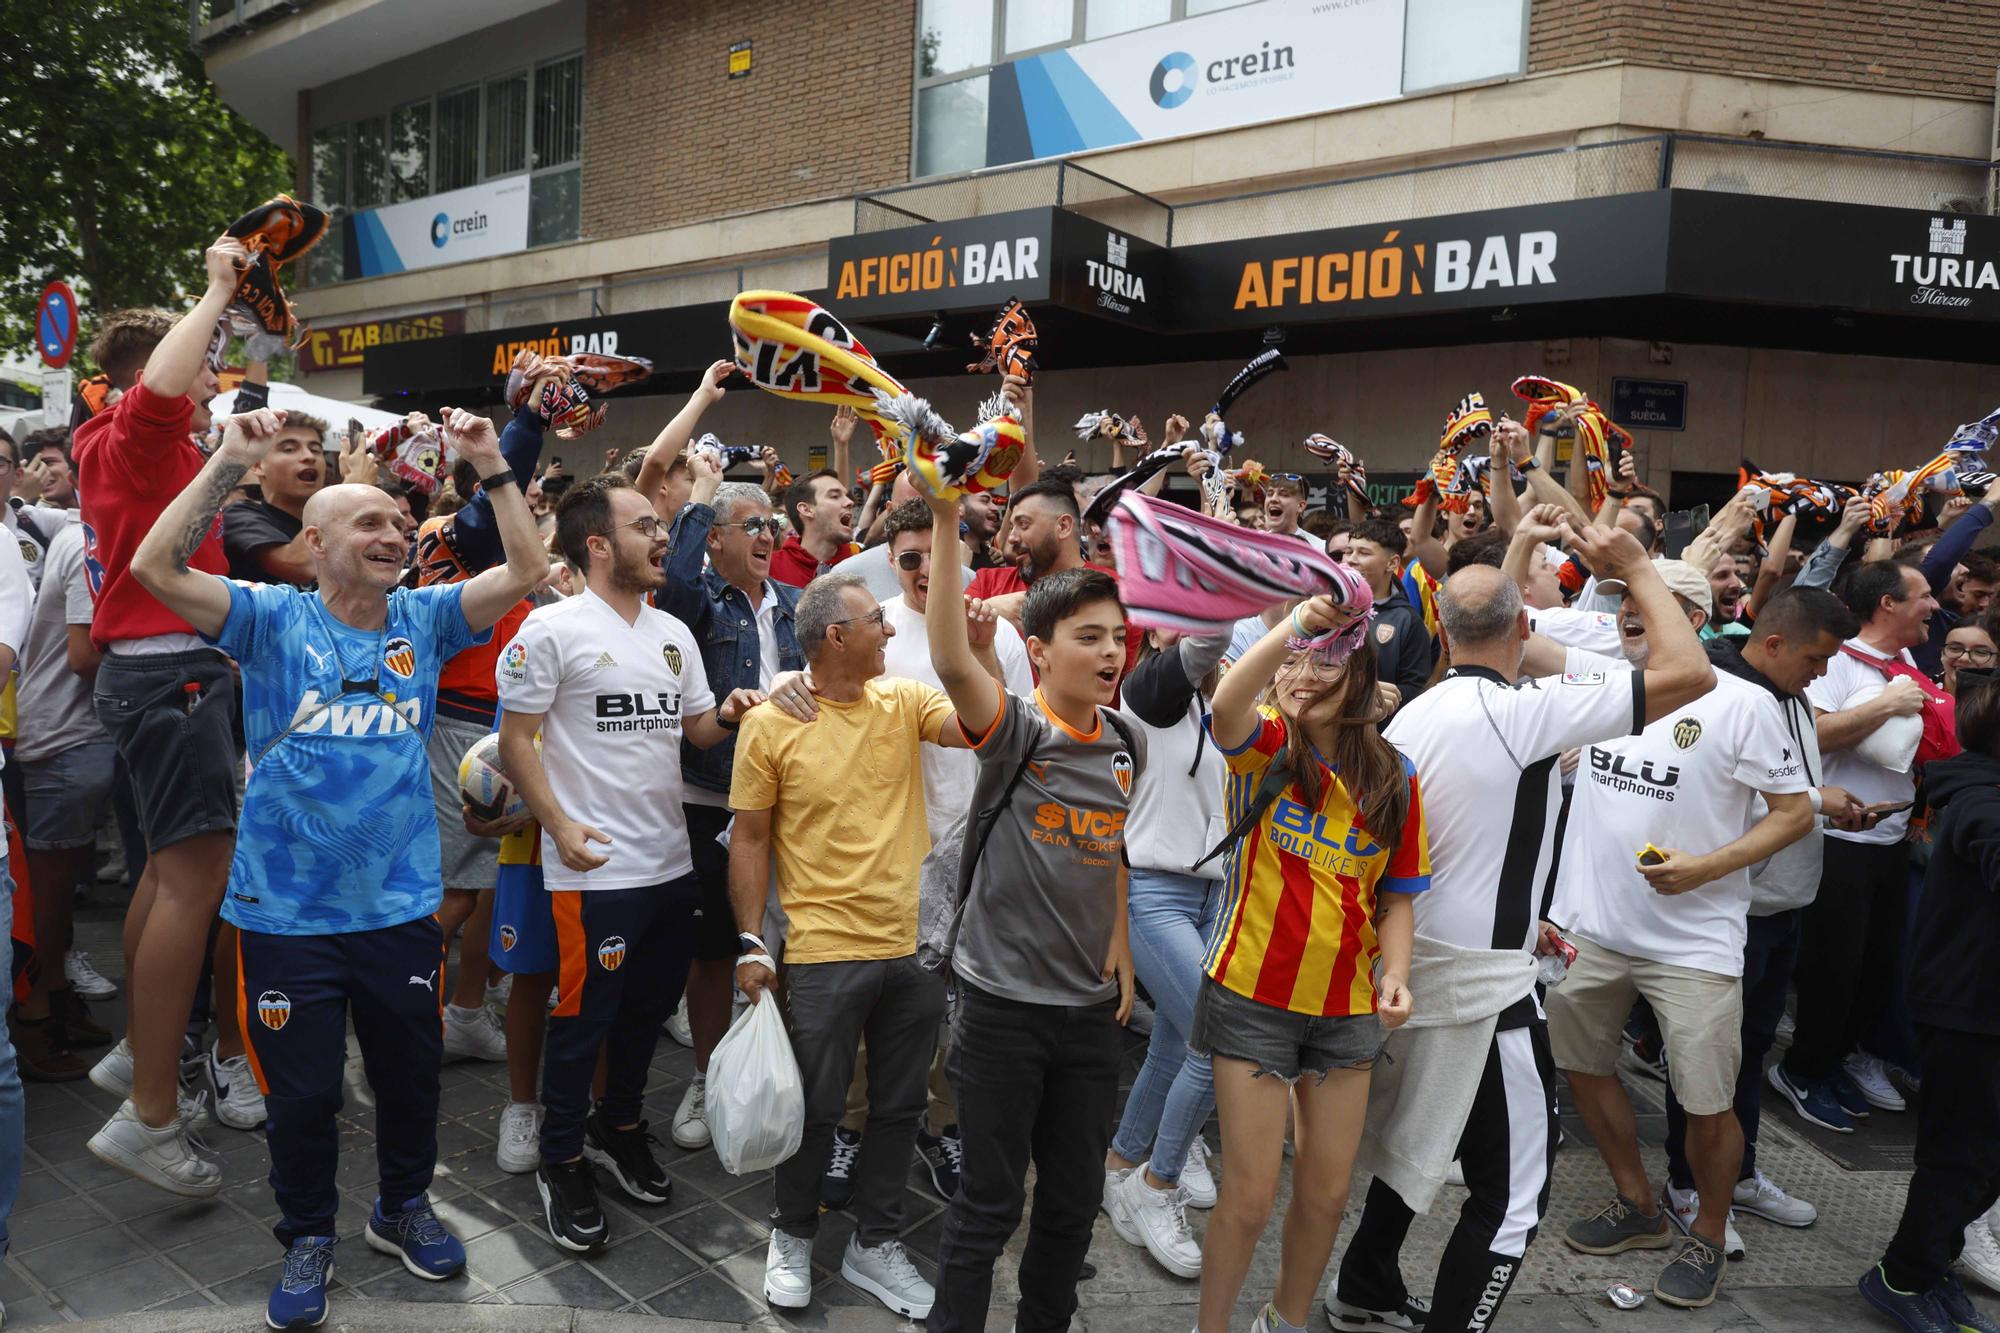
(274, 1009)
(611, 953)
(316, 717)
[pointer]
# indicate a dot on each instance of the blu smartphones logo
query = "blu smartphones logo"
(1176, 77)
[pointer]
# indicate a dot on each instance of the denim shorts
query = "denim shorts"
(1279, 1042)
(173, 716)
(67, 795)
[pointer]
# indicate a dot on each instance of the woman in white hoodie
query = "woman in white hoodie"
(1176, 819)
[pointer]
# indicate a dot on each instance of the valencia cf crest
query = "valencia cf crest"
(274, 1008)
(611, 953)
(400, 656)
(1686, 732)
(673, 656)
(1121, 768)
(507, 939)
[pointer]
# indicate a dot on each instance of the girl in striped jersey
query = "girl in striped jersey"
(1306, 969)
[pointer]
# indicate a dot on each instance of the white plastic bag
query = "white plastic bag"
(756, 1099)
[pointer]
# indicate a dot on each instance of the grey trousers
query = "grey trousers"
(830, 1007)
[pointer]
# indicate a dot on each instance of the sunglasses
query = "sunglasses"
(756, 527)
(912, 561)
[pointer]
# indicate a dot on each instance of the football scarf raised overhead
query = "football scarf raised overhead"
(1183, 571)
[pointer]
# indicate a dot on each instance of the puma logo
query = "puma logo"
(429, 983)
(319, 659)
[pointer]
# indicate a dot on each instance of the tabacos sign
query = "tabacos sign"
(947, 265)
(1575, 250)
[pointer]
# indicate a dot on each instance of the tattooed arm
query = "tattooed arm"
(161, 562)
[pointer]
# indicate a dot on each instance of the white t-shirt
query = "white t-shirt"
(1485, 754)
(1847, 684)
(949, 775)
(1592, 631)
(1688, 782)
(615, 696)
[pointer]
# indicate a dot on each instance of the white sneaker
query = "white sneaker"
(885, 1272)
(1156, 1220)
(84, 979)
(520, 1147)
(1872, 1077)
(1980, 1259)
(170, 1158)
(1758, 1197)
(1197, 1181)
(1683, 1206)
(113, 1072)
(238, 1102)
(691, 1116)
(680, 1031)
(788, 1271)
(473, 1034)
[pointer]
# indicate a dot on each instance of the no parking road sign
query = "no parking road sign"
(55, 324)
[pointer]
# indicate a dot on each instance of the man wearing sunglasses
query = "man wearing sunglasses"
(742, 618)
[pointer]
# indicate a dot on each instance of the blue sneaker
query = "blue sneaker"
(1919, 1312)
(299, 1299)
(1958, 1307)
(1812, 1098)
(1849, 1095)
(427, 1249)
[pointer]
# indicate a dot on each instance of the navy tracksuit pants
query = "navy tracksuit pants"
(296, 993)
(621, 963)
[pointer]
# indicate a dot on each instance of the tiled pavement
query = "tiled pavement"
(91, 1243)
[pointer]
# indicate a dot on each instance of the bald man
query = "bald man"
(335, 882)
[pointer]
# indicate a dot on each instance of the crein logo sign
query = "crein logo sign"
(1174, 78)
(1939, 278)
(444, 227)
(1116, 287)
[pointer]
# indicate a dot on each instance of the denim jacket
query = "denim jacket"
(726, 628)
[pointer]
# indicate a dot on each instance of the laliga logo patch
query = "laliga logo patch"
(507, 938)
(611, 953)
(1121, 768)
(274, 1008)
(514, 662)
(1686, 732)
(400, 656)
(673, 656)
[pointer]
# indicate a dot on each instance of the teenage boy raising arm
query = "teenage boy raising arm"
(1043, 964)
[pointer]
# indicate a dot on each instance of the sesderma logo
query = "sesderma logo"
(1173, 80)
(440, 230)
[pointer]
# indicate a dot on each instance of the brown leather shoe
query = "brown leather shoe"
(42, 1049)
(74, 1013)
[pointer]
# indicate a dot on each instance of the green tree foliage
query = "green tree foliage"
(118, 161)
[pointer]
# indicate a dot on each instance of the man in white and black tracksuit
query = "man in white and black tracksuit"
(1506, 706)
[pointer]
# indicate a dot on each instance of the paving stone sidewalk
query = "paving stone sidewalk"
(92, 1244)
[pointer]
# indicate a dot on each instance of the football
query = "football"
(483, 786)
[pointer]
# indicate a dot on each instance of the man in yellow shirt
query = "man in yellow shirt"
(848, 791)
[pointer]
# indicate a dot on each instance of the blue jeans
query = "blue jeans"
(1172, 919)
(13, 1107)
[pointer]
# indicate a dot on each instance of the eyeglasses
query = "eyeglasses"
(647, 527)
(874, 617)
(1309, 663)
(912, 561)
(1973, 653)
(756, 527)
